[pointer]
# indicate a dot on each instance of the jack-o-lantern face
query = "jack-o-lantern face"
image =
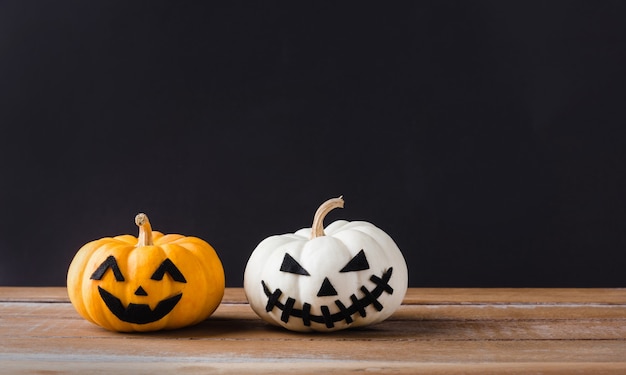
(344, 310)
(147, 283)
(352, 275)
(139, 313)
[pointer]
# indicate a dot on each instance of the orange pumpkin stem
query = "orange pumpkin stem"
(145, 231)
(317, 230)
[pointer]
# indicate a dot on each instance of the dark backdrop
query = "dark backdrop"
(487, 138)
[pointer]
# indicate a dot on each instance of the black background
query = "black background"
(487, 138)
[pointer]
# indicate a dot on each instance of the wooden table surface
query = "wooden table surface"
(435, 331)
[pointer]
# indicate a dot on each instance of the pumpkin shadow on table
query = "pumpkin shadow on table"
(234, 328)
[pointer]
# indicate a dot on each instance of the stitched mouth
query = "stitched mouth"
(358, 305)
(138, 313)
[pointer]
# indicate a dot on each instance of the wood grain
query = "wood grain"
(436, 331)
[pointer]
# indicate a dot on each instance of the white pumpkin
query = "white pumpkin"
(350, 274)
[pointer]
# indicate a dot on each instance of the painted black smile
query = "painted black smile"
(138, 313)
(344, 313)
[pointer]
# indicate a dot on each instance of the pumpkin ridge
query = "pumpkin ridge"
(74, 276)
(205, 270)
(125, 238)
(167, 238)
(336, 226)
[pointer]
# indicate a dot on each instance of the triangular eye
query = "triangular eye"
(292, 266)
(111, 263)
(358, 263)
(168, 267)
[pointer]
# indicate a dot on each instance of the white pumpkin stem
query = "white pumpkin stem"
(145, 230)
(317, 230)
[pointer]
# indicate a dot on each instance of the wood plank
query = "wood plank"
(445, 296)
(240, 322)
(436, 331)
(33, 294)
(139, 365)
(406, 312)
(300, 348)
(35, 326)
(414, 296)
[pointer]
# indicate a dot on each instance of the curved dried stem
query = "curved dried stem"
(145, 230)
(317, 230)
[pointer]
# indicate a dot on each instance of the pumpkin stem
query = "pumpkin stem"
(145, 230)
(317, 230)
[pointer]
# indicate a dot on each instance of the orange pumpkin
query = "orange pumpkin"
(148, 283)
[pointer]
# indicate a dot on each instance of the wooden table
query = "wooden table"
(435, 331)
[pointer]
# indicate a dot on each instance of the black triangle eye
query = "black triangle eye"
(292, 266)
(358, 263)
(111, 263)
(168, 267)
